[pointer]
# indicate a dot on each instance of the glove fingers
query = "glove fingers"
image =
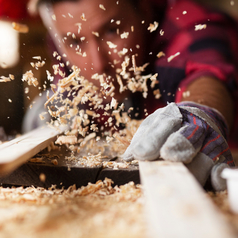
(201, 167)
(153, 132)
(184, 144)
(128, 156)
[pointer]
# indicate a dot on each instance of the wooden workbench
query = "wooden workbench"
(63, 173)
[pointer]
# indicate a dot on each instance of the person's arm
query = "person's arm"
(211, 92)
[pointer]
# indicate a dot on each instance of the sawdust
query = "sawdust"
(97, 210)
(221, 201)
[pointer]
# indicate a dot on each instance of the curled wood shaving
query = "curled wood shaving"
(153, 27)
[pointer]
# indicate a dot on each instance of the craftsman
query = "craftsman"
(196, 68)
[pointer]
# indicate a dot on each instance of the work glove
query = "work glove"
(186, 132)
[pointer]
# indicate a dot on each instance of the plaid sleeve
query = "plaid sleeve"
(196, 42)
(207, 131)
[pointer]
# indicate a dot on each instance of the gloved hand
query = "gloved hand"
(186, 132)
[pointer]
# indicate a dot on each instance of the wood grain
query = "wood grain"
(176, 204)
(19, 150)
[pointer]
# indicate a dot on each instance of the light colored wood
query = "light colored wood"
(177, 206)
(19, 150)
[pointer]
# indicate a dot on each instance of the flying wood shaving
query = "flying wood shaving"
(173, 56)
(87, 138)
(38, 64)
(70, 15)
(157, 93)
(29, 78)
(51, 99)
(4, 79)
(124, 65)
(102, 7)
(200, 27)
(124, 35)
(160, 54)
(153, 27)
(22, 28)
(79, 25)
(36, 57)
(134, 63)
(95, 33)
(122, 52)
(83, 17)
(114, 103)
(111, 45)
(154, 80)
(119, 80)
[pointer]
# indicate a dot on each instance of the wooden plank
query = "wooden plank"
(177, 206)
(19, 150)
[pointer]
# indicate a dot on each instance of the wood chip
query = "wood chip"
(153, 27)
(22, 28)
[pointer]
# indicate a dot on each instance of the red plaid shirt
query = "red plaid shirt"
(211, 51)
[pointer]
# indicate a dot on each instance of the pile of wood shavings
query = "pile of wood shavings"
(97, 210)
(100, 153)
(221, 201)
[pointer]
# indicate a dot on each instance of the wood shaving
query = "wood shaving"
(122, 52)
(111, 45)
(200, 27)
(153, 27)
(22, 28)
(70, 15)
(95, 33)
(170, 58)
(154, 80)
(36, 57)
(83, 17)
(37, 160)
(79, 25)
(160, 54)
(124, 35)
(53, 17)
(29, 78)
(102, 7)
(157, 93)
(4, 79)
(96, 210)
(186, 94)
(54, 162)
